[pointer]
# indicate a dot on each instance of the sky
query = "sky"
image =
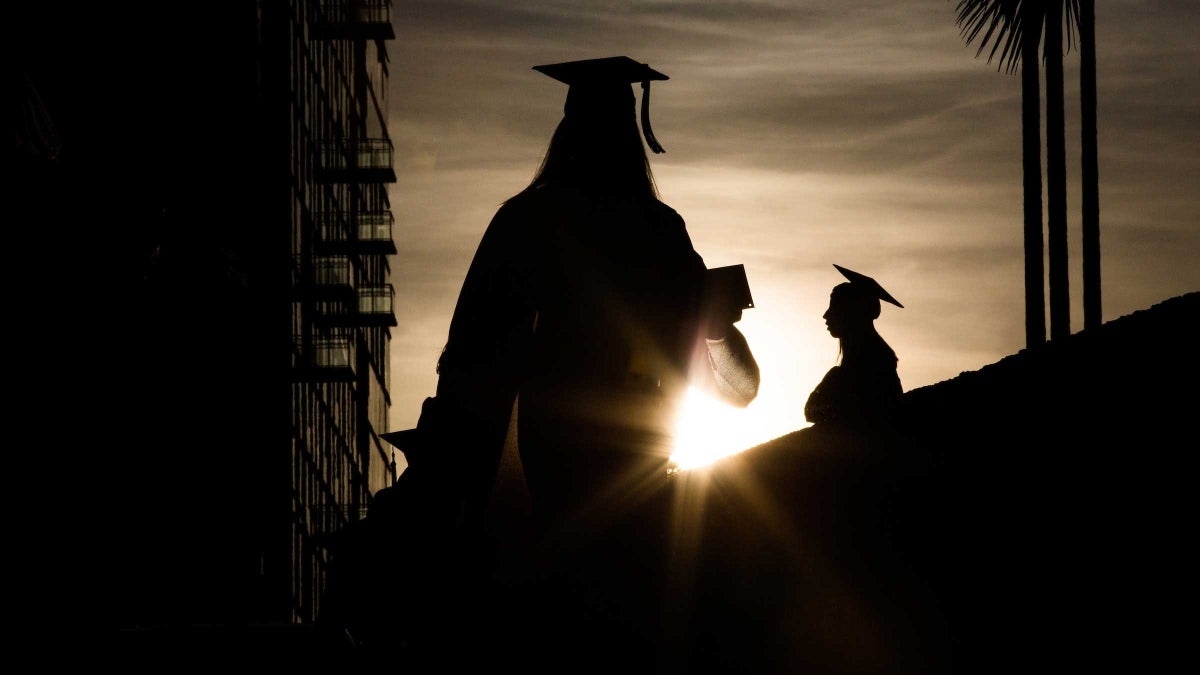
(800, 134)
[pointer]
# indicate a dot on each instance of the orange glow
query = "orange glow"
(793, 352)
(708, 430)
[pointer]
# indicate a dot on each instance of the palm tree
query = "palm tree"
(1014, 27)
(1090, 168)
(1056, 168)
(1015, 34)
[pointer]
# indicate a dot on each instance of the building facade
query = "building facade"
(342, 302)
(241, 155)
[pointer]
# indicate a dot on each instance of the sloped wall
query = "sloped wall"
(1069, 493)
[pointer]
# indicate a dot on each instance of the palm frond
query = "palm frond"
(1000, 25)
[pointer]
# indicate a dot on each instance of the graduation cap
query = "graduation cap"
(404, 441)
(867, 285)
(592, 74)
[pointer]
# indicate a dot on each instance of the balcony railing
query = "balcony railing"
(375, 232)
(372, 236)
(353, 19)
(333, 270)
(327, 277)
(330, 358)
(333, 352)
(375, 305)
(333, 231)
(363, 160)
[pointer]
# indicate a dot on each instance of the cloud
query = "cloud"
(799, 134)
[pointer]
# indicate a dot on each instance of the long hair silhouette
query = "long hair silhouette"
(596, 150)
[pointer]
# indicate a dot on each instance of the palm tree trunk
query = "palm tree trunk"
(1056, 174)
(1090, 168)
(1031, 161)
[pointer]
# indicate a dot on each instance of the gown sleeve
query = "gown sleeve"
(492, 327)
(463, 426)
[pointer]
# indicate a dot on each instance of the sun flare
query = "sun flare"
(708, 430)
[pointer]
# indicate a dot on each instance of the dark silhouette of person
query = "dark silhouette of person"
(815, 554)
(864, 387)
(587, 306)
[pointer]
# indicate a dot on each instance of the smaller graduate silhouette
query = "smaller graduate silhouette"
(864, 387)
(821, 543)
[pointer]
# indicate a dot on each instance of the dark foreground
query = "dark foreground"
(1032, 516)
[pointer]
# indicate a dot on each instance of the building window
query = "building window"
(333, 352)
(375, 299)
(332, 270)
(375, 226)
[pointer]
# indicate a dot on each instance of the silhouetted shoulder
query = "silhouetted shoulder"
(524, 217)
(667, 215)
(665, 211)
(543, 200)
(529, 200)
(669, 225)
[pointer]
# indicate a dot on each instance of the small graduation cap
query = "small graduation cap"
(611, 70)
(404, 441)
(867, 285)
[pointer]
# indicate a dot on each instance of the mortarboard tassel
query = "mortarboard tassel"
(646, 130)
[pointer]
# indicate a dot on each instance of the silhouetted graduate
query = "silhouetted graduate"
(587, 300)
(816, 546)
(863, 388)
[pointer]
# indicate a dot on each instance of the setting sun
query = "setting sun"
(708, 430)
(792, 350)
